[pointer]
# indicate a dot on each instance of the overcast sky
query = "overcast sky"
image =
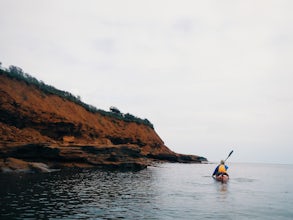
(211, 76)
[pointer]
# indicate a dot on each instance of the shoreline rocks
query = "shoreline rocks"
(11, 164)
(44, 157)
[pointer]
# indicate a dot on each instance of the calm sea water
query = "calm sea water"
(168, 191)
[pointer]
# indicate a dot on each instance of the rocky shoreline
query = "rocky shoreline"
(44, 157)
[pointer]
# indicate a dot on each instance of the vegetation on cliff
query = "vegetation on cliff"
(17, 73)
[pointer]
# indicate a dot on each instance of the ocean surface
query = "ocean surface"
(166, 191)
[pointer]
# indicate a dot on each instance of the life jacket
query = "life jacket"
(222, 169)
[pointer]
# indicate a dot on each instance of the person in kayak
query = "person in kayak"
(221, 169)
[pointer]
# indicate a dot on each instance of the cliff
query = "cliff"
(42, 130)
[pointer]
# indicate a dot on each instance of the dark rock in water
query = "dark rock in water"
(17, 165)
(180, 158)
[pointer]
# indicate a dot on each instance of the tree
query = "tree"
(115, 110)
(16, 70)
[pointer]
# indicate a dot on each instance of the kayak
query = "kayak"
(222, 178)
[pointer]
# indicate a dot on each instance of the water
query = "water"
(169, 191)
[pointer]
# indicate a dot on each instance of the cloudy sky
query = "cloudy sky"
(211, 76)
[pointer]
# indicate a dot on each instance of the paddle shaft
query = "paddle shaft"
(229, 155)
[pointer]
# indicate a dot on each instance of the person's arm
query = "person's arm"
(216, 170)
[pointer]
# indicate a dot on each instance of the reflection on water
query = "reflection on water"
(223, 187)
(170, 191)
(75, 194)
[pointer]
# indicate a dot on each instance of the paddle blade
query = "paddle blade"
(230, 153)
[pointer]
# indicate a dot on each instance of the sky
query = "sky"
(212, 76)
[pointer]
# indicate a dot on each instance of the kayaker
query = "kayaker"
(221, 169)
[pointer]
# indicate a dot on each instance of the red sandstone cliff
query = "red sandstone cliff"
(39, 127)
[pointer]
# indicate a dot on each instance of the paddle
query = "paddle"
(229, 155)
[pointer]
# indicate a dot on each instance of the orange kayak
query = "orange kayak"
(222, 178)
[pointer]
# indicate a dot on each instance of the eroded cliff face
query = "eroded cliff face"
(35, 126)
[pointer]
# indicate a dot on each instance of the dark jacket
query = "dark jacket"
(217, 169)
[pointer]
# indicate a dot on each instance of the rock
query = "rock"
(17, 165)
(39, 167)
(68, 139)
